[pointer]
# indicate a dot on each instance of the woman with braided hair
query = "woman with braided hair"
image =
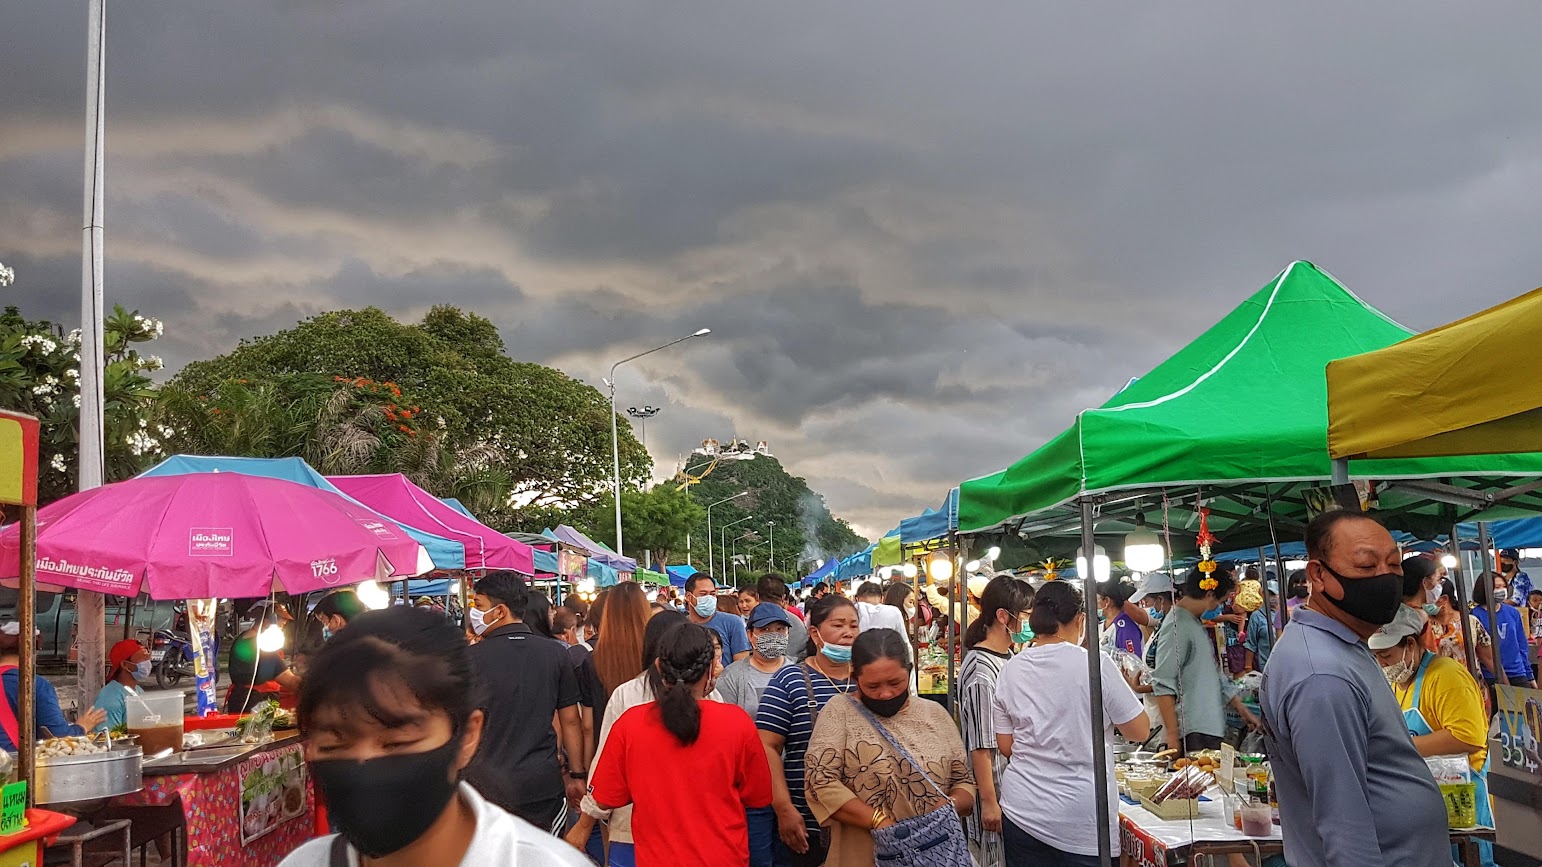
(684, 749)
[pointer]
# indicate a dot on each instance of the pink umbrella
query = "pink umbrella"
(210, 534)
(396, 497)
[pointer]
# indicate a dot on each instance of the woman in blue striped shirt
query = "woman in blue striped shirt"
(786, 716)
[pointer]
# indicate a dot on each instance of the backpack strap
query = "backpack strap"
(339, 856)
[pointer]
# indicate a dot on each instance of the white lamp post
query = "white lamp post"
(615, 441)
(710, 558)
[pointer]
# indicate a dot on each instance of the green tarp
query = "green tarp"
(1245, 402)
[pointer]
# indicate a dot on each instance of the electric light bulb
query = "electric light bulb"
(270, 639)
(940, 568)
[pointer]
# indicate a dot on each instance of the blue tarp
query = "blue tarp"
(445, 553)
(678, 574)
(820, 574)
(857, 565)
(931, 524)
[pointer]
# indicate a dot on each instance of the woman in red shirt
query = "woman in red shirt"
(685, 749)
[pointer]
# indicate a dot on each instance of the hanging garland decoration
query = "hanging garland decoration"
(1205, 541)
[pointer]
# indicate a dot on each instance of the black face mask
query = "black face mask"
(886, 707)
(382, 805)
(1374, 600)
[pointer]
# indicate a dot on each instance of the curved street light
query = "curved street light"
(615, 441)
(711, 565)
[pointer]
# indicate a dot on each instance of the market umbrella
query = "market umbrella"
(204, 535)
(395, 496)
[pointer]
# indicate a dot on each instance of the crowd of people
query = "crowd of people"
(722, 727)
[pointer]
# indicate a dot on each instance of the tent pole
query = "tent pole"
(1486, 573)
(1095, 681)
(958, 585)
(1275, 622)
(1340, 471)
(26, 609)
(1269, 610)
(1462, 601)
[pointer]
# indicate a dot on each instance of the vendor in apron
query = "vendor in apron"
(1442, 705)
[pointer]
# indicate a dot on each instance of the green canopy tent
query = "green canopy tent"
(1237, 421)
(1239, 418)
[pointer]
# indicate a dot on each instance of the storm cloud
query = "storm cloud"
(924, 235)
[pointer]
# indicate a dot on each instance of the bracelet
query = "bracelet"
(878, 816)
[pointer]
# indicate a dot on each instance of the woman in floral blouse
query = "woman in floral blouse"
(856, 780)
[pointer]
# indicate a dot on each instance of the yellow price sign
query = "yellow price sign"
(18, 459)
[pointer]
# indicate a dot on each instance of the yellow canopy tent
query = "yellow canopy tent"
(1468, 388)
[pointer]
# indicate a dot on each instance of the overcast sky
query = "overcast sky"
(923, 234)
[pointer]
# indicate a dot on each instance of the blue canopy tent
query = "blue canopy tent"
(444, 553)
(820, 574)
(678, 574)
(857, 565)
(932, 524)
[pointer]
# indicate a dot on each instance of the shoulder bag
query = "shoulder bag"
(934, 839)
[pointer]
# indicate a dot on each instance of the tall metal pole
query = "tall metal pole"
(1095, 682)
(90, 607)
(772, 525)
(1462, 597)
(615, 456)
(1486, 573)
(1283, 611)
(26, 608)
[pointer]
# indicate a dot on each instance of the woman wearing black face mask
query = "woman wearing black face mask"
(390, 714)
(878, 760)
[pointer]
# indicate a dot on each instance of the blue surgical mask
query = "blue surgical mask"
(142, 670)
(1431, 609)
(840, 654)
(1024, 635)
(1154, 614)
(706, 606)
(326, 633)
(1213, 613)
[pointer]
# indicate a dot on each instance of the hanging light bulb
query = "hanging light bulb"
(271, 638)
(373, 595)
(992, 554)
(1143, 551)
(1449, 561)
(1101, 566)
(972, 566)
(910, 570)
(940, 568)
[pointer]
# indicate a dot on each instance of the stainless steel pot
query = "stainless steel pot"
(94, 776)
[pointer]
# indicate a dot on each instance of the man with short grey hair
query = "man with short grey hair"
(1353, 790)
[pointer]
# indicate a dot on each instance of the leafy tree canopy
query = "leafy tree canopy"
(658, 520)
(477, 415)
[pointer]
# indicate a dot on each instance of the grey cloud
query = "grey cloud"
(924, 235)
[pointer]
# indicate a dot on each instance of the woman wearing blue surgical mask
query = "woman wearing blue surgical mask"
(786, 721)
(130, 663)
(1003, 623)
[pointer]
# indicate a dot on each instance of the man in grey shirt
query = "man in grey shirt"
(743, 682)
(1353, 790)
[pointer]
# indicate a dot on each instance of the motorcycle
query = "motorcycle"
(172, 657)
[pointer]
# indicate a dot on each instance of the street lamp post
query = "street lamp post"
(723, 538)
(615, 441)
(710, 558)
(772, 525)
(642, 415)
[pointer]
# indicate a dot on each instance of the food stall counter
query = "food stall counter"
(236, 806)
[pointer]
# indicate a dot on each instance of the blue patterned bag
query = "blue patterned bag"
(934, 839)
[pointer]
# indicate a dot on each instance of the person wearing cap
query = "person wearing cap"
(1441, 704)
(1518, 581)
(47, 716)
(257, 675)
(335, 610)
(129, 662)
(1150, 603)
(743, 683)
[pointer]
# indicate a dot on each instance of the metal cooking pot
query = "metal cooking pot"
(93, 776)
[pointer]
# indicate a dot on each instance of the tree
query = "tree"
(520, 440)
(658, 520)
(40, 375)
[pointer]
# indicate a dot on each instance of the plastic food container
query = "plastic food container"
(156, 717)
(1257, 819)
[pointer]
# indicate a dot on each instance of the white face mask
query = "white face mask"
(478, 619)
(1432, 595)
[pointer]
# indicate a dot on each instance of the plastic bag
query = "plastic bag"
(1454, 776)
(1131, 666)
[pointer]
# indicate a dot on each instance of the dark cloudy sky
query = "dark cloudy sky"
(924, 234)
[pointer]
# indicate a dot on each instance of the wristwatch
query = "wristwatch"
(578, 775)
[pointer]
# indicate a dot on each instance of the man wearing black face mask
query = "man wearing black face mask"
(1353, 789)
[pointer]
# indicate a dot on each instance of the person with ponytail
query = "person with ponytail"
(682, 749)
(988, 641)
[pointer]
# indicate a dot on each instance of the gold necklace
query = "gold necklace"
(815, 664)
